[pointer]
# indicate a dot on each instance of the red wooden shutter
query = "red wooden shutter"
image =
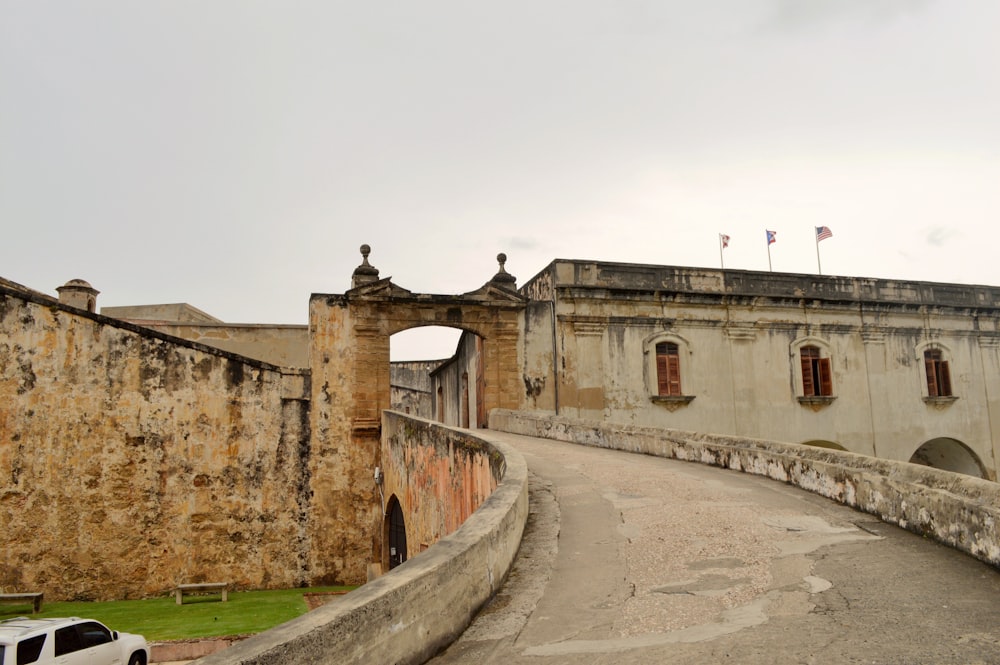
(825, 377)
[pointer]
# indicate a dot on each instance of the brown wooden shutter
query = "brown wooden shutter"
(674, 371)
(662, 370)
(944, 387)
(929, 363)
(808, 386)
(825, 377)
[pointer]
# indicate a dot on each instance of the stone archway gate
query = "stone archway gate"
(349, 359)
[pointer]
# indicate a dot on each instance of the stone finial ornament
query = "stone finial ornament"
(366, 272)
(503, 277)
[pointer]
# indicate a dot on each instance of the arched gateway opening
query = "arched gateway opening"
(350, 387)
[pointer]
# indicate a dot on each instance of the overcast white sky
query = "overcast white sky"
(234, 154)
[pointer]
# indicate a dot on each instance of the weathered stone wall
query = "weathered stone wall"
(412, 391)
(282, 345)
(131, 461)
(409, 614)
(456, 384)
(540, 371)
(957, 510)
(178, 312)
(440, 476)
(345, 443)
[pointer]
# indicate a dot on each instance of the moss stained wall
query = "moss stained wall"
(131, 462)
(284, 345)
(439, 475)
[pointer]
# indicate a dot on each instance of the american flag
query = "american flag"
(725, 240)
(823, 232)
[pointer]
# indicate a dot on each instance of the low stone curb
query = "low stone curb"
(184, 650)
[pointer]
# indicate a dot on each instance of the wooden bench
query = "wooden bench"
(210, 587)
(23, 599)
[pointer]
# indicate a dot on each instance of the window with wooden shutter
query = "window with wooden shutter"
(938, 374)
(817, 377)
(668, 369)
(944, 379)
(825, 378)
(808, 354)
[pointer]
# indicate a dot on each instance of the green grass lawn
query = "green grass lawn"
(160, 619)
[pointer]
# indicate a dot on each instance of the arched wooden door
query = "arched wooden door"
(396, 526)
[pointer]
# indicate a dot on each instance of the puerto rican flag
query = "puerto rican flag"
(771, 237)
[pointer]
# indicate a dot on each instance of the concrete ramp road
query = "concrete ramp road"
(636, 559)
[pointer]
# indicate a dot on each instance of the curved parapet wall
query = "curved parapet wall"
(439, 476)
(955, 509)
(409, 614)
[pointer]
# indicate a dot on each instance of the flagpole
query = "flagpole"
(722, 261)
(819, 266)
(769, 269)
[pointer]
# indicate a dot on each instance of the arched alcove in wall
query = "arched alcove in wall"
(950, 455)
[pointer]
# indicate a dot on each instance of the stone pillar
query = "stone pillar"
(880, 394)
(502, 388)
(989, 349)
(746, 420)
(345, 513)
(584, 353)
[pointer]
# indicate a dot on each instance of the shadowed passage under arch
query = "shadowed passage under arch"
(950, 455)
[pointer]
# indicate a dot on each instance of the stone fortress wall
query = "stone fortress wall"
(282, 345)
(131, 461)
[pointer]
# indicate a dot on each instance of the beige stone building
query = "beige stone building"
(901, 370)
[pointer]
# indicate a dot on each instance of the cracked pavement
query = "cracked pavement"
(635, 559)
